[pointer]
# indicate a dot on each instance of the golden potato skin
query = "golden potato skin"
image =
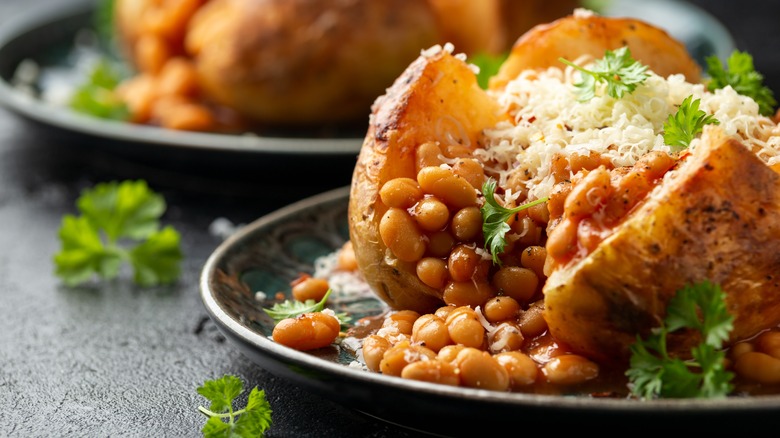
(435, 99)
(718, 219)
(304, 61)
(575, 35)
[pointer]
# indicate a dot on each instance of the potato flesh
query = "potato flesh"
(717, 219)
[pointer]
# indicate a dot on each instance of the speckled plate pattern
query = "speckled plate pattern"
(271, 251)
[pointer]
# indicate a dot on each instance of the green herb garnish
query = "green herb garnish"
(488, 66)
(617, 69)
(96, 97)
(654, 374)
(293, 308)
(494, 217)
(684, 125)
(111, 214)
(743, 78)
(251, 421)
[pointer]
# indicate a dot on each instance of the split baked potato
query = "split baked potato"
(700, 219)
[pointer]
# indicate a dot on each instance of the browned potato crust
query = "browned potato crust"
(437, 97)
(575, 36)
(718, 219)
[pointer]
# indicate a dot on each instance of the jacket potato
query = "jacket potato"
(435, 138)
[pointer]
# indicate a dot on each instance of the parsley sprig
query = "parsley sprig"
(96, 242)
(618, 69)
(684, 125)
(653, 373)
(743, 77)
(489, 65)
(97, 97)
(294, 308)
(494, 217)
(251, 421)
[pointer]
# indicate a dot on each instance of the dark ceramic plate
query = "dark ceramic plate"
(47, 36)
(268, 253)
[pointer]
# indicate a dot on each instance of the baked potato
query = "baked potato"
(431, 127)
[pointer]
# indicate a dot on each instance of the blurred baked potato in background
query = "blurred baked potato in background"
(294, 62)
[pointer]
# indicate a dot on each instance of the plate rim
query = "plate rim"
(238, 332)
(32, 23)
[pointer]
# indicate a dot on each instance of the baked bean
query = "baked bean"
(443, 311)
(440, 243)
(740, 348)
(769, 343)
(400, 193)
(758, 367)
(307, 331)
(309, 288)
(654, 164)
(374, 348)
(431, 214)
(467, 224)
(183, 115)
(478, 369)
(631, 187)
(516, 282)
(462, 262)
(588, 194)
(517, 184)
(562, 240)
(590, 161)
(560, 168)
(456, 151)
(449, 353)
(464, 327)
(570, 369)
(428, 154)
(506, 337)
(471, 170)
(501, 308)
(139, 94)
(431, 331)
(402, 354)
(433, 272)
(346, 258)
(522, 370)
(532, 322)
(434, 371)
(534, 258)
(445, 185)
(178, 78)
(401, 320)
(151, 53)
(467, 293)
(400, 233)
(557, 199)
(539, 213)
(528, 232)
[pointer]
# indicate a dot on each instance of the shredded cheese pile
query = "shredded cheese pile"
(547, 119)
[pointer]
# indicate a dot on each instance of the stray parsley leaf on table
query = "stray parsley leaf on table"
(494, 217)
(654, 373)
(684, 125)
(618, 69)
(113, 214)
(743, 78)
(251, 421)
(294, 308)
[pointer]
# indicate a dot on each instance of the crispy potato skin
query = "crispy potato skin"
(573, 36)
(438, 99)
(718, 219)
(302, 61)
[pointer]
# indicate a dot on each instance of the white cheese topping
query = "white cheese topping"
(547, 119)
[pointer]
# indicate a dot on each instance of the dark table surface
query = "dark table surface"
(112, 359)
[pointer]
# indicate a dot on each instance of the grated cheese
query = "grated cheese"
(547, 119)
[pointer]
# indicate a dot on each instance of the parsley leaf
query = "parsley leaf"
(293, 308)
(488, 66)
(617, 69)
(251, 421)
(743, 78)
(494, 217)
(684, 125)
(110, 212)
(96, 96)
(653, 373)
